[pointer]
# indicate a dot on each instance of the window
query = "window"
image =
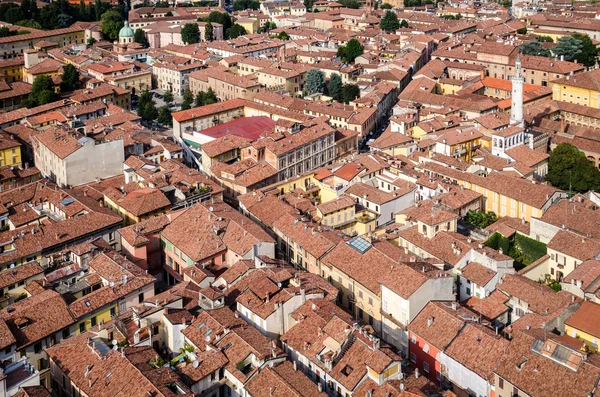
(113, 312)
(426, 367)
(93, 321)
(413, 339)
(37, 348)
(66, 333)
(141, 297)
(426, 348)
(413, 357)
(82, 327)
(501, 383)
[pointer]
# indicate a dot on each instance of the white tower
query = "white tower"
(516, 109)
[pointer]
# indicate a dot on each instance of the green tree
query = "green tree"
(309, 5)
(200, 98)
(5, 32)
(208, 31)
(350, 92)
(144, 98)
(389, 22)
(334, 87)
(168, 97)
(29, 9)
(70, 78)
(354, 4)
(589, 51)
(283, 36)
(568, 168)
(188, 100)
(534, 47)
(241, 5)
(14, 15)
(169, 14)
(140, 37)
(91, 41)
(481, 219)
(222, 18)
(349, 52)
(148, 112)
(190, 33)
(404, 24)
(353, 50)
(386, 6)
(112, 22)
(267, 27)
(235, 31)
(568, 47)
(315, 81)
(42, 91)
(210, 97)
(164, 116)
(545, 39)
(522, 31)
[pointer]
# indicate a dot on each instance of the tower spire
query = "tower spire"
(518, 80)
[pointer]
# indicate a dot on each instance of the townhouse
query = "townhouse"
(225, 237)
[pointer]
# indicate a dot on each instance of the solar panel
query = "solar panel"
(360, 244)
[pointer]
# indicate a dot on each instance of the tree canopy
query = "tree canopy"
(208, 31)
(190, 33)
(577, 47)
(206, 98)
(70, 78)
(241, 5)
(315, 81)
(386, 6)
(164, 116)
(188, 100)
(334, 87)
(146, 106)
(569, 168)
(389, 22)
(350, 92)
(140, 37)
(235, 31)
(112, 22)
(534, 47)
(350, 51)
(168, 97)
(42, 92)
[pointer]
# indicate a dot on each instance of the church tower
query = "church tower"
(516, 109)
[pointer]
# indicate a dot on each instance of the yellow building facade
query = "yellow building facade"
(563, 91)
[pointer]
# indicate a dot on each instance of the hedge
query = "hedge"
(497, 241)
(530, 249)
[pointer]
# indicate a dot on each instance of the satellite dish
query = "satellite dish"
(207, 338)
(111, 284)
(211, 208)
(271, 364)
(81, 273)
(278, 285)
(115, 348)
(114, 342)
(195, 364)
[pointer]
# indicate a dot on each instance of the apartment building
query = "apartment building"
(71, 159)
(173, 74)
(225, 85)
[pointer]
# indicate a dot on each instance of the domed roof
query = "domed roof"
(126, 31)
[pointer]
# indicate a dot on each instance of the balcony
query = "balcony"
(365, 216)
